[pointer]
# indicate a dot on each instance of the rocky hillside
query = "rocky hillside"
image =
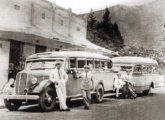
(140, 25)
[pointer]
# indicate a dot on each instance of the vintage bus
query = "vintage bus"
(144, 72)
(33, 84)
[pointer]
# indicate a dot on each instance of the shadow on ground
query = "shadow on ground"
(74, 104)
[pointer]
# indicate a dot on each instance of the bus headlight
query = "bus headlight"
(11, 82)
(34, 81)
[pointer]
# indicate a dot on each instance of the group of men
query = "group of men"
(59, 77)
(125, 84)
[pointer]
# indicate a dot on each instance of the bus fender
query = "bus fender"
(99, 83)
(43, 85)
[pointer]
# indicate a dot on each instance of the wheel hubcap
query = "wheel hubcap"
(100, 94)
(48, 99)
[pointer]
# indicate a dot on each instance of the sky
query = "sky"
(84, 6)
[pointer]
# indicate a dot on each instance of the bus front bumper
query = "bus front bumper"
(20, 97)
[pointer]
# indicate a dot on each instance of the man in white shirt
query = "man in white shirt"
(59, 77)
(118, 83)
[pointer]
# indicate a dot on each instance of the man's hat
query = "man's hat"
(87, 66)
(58, 63)
(119, 73)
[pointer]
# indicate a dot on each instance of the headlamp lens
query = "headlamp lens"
(11, 81)
(34, 81)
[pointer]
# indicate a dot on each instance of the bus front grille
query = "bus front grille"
(21, 83)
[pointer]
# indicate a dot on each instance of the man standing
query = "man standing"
(59, 77)
(118, 83)
(87, 85)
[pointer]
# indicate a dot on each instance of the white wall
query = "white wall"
(26, 16)
(4, 62)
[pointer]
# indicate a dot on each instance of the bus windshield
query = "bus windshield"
(43, 64)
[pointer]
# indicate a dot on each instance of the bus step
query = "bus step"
(110, 94)
(105, 95)
(78, 98)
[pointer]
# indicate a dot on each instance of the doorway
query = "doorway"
(15, 58)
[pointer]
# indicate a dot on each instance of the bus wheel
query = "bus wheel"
(99, 93)
(47, 99)
(12, 105)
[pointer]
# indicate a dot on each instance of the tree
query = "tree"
(106, 23)
(104, 33)
(91, 21)
(118, 39)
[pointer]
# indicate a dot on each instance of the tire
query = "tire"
(47, 100)
(12, 105)
(99, 93)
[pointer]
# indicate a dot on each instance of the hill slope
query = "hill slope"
(140, 25)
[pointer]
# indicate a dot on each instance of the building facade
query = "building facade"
(32, 26)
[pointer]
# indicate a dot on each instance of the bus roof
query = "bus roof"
(66, 54)
(133, 60)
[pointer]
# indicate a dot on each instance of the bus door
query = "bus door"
(152, 75)
(106, 75)
(156, 79)
(138, 78)
(149, 75)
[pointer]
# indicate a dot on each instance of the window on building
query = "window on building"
(16, 7)
(43, 15)
(0, 45)
(78, 29)
(62, 22)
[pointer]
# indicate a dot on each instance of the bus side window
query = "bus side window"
(137, 70)
(72, 62)
(90, 63)
(109, 64)
(102, 64)
(149, 69)
(81, 63)
(97, 64)
(155, 69)
(145, 69)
